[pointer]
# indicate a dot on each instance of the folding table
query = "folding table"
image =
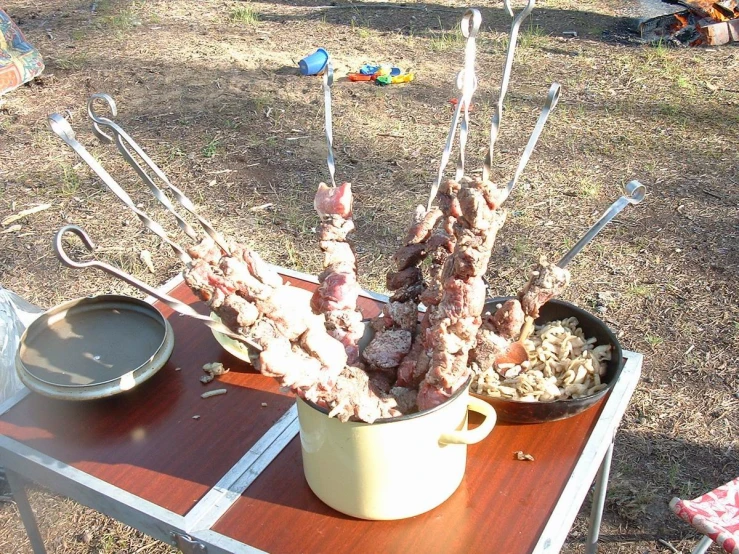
(231, 480)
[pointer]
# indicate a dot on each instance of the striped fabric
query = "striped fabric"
(19, 61)
(715, 514)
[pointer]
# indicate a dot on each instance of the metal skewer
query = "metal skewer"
(469, 81)
(123, 141)
(634, 193)
(466, 83)
(120, 135)
(495, 122)
(328, 80)
(551, 102)
(176, 305)
(61, 127)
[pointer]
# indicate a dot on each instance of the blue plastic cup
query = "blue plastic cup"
(315, 63)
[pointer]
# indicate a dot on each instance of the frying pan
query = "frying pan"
(536, 412)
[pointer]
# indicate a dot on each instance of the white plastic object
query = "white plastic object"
(15, 315)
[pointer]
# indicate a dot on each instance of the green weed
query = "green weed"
(244, 15)
(640, 290)
(210, 149)
(70, 181)
(446, 40)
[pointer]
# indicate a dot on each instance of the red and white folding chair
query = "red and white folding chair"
(715, 514)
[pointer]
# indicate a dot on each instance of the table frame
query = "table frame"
(192, 533)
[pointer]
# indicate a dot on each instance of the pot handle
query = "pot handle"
(472, 436)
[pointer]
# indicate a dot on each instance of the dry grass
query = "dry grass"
(217, 102)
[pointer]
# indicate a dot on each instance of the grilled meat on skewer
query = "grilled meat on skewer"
(338, 291)
(456, 319)
(547, 281)
(514, 319)
(439, 245)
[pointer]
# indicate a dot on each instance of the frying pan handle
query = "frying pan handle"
(472, 436)
(634, 193)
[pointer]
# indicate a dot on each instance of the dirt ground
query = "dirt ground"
(211, 90)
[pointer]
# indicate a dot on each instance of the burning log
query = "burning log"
(702, 23)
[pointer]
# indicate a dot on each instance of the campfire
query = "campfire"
(703, 22)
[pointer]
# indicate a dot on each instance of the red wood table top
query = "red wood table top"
(501, 506)
(146, 442)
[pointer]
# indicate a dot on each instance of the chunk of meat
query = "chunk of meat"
(197, 277)
(440, 241)
(355, 397)
(408, 293)
(470, 258)
(408, 276)
(334, 200)
(326, 349)
(488, 347)
(403, 315)
(424, 223)
(347, 327)
(237, 312)
(547, 281)
(508, 319)
(338, 254)
(334, 228)
(206, 250)
(294, 368)
(414, 366)
(447, 196)
(409, 255)
(462, 298)
(257, 266)
(290, 317)
(338, 291)
(387, 348)
(237, 275)
(430, 396)
(493, 195)
(405, 399)
(475, 210)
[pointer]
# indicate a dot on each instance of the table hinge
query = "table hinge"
(188, 545)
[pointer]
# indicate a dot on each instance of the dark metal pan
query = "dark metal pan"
(94, 347)
(537, 412)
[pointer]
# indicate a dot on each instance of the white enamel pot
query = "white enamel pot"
(394, 468)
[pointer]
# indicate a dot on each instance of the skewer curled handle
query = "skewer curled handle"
(472, 436)
(176, 305)
(498, 113)
(63, 129)
(96, 119)
(467, 84)
(474, 17)
(121, 138)
(634, 192)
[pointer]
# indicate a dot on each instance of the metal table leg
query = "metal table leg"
(703, 546)
(18, 489)
(599, 498)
